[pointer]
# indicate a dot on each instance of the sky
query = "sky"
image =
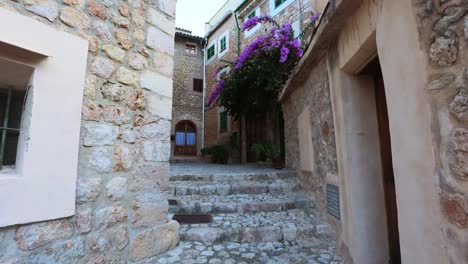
(192, 14)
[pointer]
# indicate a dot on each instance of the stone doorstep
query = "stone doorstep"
(287, 232)
(229, 177)
(241, 207)
(230, 188)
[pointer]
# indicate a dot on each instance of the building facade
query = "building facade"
(225, 41)
(187, 105)
(86, 96)
(375, 123)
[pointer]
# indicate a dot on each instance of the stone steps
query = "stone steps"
(267, 202)
(181, 188)
(292, 225)
(234, 177)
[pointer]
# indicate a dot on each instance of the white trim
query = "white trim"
(213, 43)
(224, 35)
(296, 26)
(250, 32)
(44, 183)
(225, 70)
(274, 11)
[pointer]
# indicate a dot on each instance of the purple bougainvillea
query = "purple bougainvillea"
(278, 42)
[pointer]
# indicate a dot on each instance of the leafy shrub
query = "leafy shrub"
(266, 150)
(219, 153)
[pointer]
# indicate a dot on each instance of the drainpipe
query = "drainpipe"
(242, 136)
(204, 92)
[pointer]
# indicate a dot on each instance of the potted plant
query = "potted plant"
(269, 151)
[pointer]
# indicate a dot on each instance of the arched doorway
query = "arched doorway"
(185, 139)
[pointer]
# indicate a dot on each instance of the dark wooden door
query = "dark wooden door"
(255, 133)
(185, 139)
(387, 171)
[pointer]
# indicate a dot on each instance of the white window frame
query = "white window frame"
(296, 26)
(224, 35)
(274, 11)
(250, 32)
(43, 184)
(225, 70)
(208, 60)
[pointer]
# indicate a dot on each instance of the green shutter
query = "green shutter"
(223, 44)
(251, 15)
(211, 52)
(223, 122)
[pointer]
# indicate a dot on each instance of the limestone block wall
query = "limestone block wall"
(314, 96)
(123, 172)
(187, 103)
(444, 37)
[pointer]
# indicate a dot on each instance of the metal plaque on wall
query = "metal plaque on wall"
(333, 200)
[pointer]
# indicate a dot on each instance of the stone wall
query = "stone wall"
(123, 173)
(313, 95)
(187, 103)
(444, 36)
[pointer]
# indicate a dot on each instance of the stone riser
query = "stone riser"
(236, 177)
(254, 207)
(255, 234)
(233, 189)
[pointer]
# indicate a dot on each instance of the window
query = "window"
(52, 63)
(211, 52)
(222, 44)
(279, 3)
(223, 122)
(250, 32)
(185, 139)
(198, 85)
(276, 6)
(190, 48)
(11, 102)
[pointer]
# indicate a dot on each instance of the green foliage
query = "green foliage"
(219, 153)
(266, 150)
(255, 87)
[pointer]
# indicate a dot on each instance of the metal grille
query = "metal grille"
(333, 201)
(5, 128)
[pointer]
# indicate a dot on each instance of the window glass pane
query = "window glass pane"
(190, 48)
(223, 124)
(198, 85)
(180, 138)
(14, 122)
(191, 139)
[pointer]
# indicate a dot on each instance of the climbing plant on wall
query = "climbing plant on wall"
(257, 76)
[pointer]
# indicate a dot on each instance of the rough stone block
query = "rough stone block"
(147, 215)
(88, 190)
(44, 8)
(156, 83)
(150, 178)
(100, 135)
(155, 241)
(74, 18)
(204, 234)
(160, 20)
(117, 188)
(156, 151)
(101, 160)
(83, 220)
(32, 236)
(159, 40)
(110, 216)
(159, 105)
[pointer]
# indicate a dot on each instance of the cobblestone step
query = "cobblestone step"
(292, 225)
(181, 188)
(246, 203)
(304, 252)
(234, 176)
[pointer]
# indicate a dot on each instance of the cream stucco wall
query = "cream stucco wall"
(59, 61)
(392, 27)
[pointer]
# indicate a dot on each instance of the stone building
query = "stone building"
(225, 41)
(375, 118)
(187, 104)
(85, 99)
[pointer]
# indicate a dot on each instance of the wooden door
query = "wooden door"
(185, 139)
(255, 133)
(387, 171)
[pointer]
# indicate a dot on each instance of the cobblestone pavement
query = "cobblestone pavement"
(259, 215)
